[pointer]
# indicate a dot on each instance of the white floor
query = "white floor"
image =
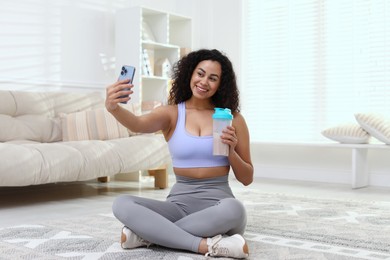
(35, 204)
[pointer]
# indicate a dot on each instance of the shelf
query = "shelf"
(158, 46)
(152, 41)
(144, 77)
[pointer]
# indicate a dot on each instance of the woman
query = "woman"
(200, 214)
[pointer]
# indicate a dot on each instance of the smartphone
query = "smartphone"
(127, 72)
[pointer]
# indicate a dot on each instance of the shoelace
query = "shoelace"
(141, 240)
(145, 242)
(215, 249)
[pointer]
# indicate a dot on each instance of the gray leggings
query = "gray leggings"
(194, 209)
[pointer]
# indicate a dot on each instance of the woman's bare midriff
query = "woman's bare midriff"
(201, 173)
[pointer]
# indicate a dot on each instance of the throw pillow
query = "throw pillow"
(134, 108)
(96, 124)
(376, 125)
(347, 133)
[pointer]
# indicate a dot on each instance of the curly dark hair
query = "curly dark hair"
(227, 95)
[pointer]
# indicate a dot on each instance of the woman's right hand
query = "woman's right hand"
(116, 93)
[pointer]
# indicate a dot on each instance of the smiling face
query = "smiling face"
(206, 79)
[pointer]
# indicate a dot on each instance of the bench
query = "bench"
(359, 162)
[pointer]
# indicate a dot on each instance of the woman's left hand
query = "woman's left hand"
(229, 137)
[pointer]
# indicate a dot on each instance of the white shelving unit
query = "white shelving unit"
(162, 36)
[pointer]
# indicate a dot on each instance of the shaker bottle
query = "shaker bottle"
(222, 118)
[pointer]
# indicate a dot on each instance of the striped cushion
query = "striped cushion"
(96, 124)
(375, 124)
(349, 133)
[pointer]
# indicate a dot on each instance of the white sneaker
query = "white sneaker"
(130, 240)
(234, 246)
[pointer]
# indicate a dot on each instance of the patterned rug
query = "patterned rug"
(279, 227)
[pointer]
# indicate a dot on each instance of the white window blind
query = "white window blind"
(29, 41)
(311, 64)
(57, 44)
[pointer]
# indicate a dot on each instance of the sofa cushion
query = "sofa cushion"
(97, 124)
(150, 149)
(20, 165)
(27, 163)
(30, 164)
(36, 103)
(16, 103)
(7, 103)
(37, 128)
(75, 102)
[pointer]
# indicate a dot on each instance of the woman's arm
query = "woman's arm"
(237, 137)
(157, 119)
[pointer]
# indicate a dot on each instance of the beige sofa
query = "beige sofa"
(64, 137)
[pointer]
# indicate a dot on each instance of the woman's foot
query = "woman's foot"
(234, 246)
(129, 239)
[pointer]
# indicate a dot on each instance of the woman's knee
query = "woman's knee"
(236, 216)
(233, 206)
(121, 205)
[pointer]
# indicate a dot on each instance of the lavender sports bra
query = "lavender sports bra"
(190, 151)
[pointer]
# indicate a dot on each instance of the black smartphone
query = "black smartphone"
(127, 72)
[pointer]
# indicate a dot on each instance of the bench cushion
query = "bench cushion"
(376, 125)
(351, 133)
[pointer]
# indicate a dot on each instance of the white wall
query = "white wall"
(69, 44)
(320, 164)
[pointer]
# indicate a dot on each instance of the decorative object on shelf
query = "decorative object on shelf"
(146, 66)
(162, 68)
(184, 52)
(147, 34)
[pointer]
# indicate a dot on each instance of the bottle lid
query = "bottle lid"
(222, 113)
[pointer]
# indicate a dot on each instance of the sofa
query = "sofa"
(51, 137)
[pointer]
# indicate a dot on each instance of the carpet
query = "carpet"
(279, 227)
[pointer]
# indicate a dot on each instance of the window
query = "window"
(57, 44)
(311, 64)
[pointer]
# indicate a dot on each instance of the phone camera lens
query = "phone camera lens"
(122, 73)
(123, 68)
